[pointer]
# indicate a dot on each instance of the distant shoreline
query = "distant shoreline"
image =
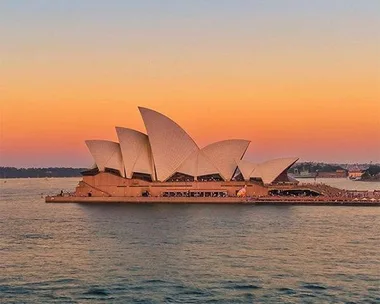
(12, 172)
(48, 172)
(46, 178)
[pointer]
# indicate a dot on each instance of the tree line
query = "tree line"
(12, 172)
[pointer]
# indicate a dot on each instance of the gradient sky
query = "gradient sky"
(297, 78)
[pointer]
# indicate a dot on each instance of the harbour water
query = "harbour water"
(71, 253)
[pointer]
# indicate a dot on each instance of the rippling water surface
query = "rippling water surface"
(183, 253)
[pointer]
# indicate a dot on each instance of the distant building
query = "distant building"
(355, 174)
(340, 173)
(168, 153)
(168, 162)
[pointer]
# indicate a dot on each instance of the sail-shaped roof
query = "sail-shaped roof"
(224, 155)
(190, 165)
(267, 171)
(197, 164)
(107, 154)
(136, 152)
(271, 169)
(246, 168)
(170, 144)
(205, 165)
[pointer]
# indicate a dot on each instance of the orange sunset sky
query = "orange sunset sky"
(297, 78)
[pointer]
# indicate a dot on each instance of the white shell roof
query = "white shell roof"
(267, 171)
(197, 164)
(190, 165)
(225, 154)
(205, 165)
(136, 152)
(246, 168)
(106, 154)
(271, 169)
(170, 144)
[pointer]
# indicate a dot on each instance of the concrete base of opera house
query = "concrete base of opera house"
(105, 187)
(105, 184)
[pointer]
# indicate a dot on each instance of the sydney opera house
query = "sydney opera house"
(167, 162)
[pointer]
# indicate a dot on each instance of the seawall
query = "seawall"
(214, 200)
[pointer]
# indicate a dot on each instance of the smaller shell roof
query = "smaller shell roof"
(271, 169)
(225, 154)
(197, 164)
(136, 152)
(246, 168)
(268, 171)
(107, 154)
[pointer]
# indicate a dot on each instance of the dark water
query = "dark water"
(183, 254)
